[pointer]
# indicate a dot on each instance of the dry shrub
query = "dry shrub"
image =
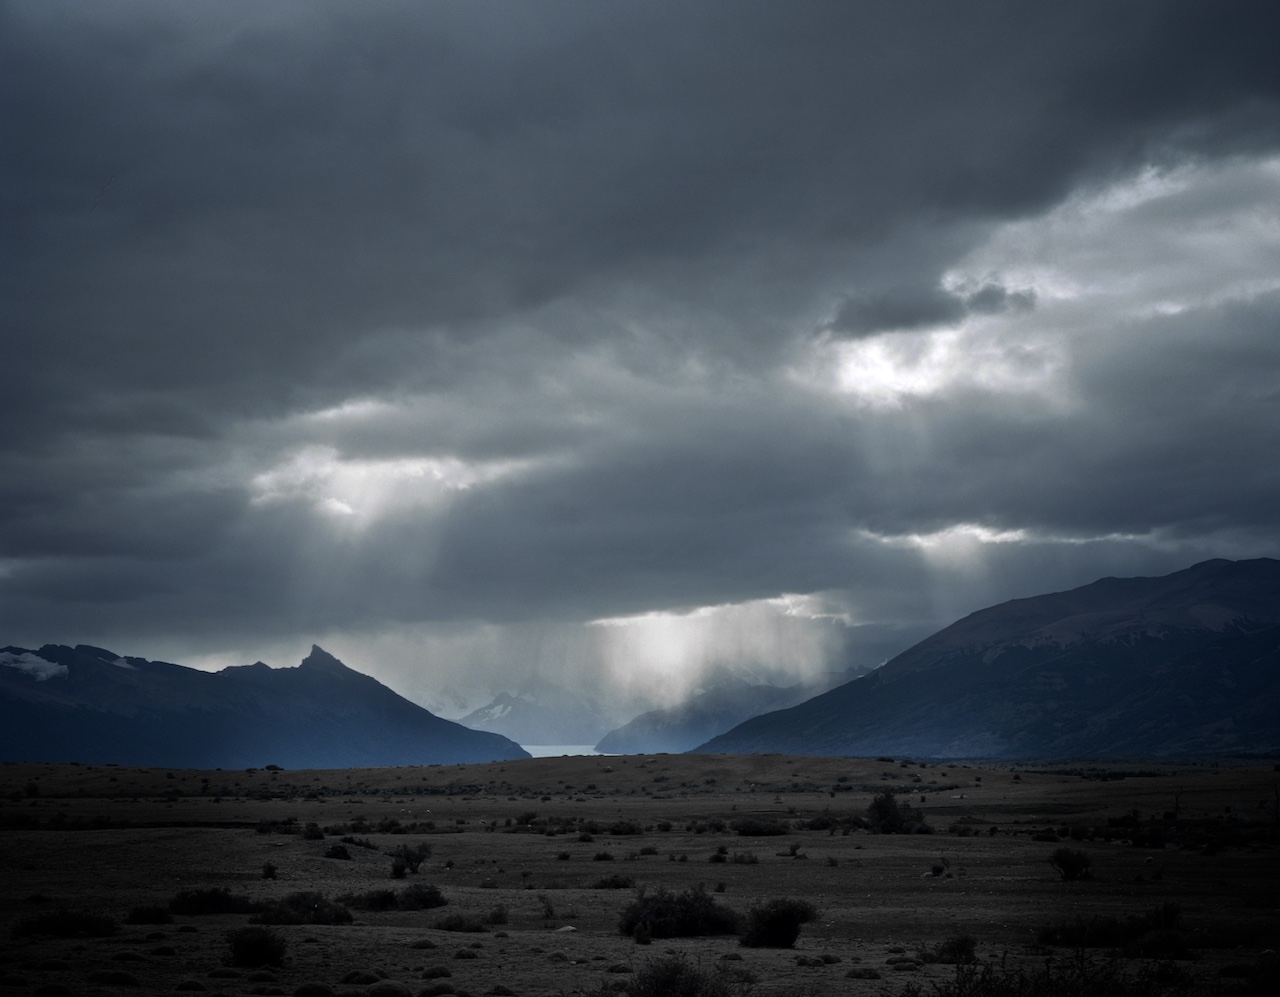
(776, 924)
(305, 907)
(256, 946)
(205, 902)
(1071, 863)
(675, 976)
(66, 924)
(678, 915)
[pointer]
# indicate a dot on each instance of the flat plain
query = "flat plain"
(541, 857)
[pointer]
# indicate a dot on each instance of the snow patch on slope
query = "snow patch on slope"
(33, 665)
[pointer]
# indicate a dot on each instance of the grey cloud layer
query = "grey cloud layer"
(596, 241)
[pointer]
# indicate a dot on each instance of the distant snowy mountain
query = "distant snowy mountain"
(543, 717)
(1184, 664)
(86, 704)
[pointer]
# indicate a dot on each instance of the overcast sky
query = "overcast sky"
(614, 342)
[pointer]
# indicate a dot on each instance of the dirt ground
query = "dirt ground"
(521, 847)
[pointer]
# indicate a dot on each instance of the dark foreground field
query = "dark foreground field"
(541, 858)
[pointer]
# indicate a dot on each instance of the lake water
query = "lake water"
(556, 750)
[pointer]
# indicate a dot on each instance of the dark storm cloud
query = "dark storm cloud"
(584, 252)
(991, 298)
(895, 309)
(212, 188)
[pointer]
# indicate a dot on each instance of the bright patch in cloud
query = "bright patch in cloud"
(959, 547)
(884, 371)
(362, 490)
(352, 410)
(787, 638)
(961, 534)
(1160, 242)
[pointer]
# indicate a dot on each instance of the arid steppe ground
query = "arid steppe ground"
(521, 849)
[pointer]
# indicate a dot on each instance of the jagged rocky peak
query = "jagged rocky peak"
(319, 658)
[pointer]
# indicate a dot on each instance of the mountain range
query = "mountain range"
(684, 726)
(1187, 664)
(86, 704)
(1181, 665)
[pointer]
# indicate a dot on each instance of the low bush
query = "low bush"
(66, 924)
(216, 900)
(678, 915)
(109, 977)
(956, 950)
(1151, 935)
(1095, 932)
(419, 896)
(675, 976)
(305, 907)
(370, 900)
(412, 855)
(149, 915)
(1160, 945)
(1070, 977)
(460, 922)
(1071, 863)
(776, 924)
(256, 946)
(337, 852)
(886, 815)
(758, 827)
(614, 883)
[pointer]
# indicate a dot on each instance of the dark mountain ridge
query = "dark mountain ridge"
(88, 704)
(1181, 665)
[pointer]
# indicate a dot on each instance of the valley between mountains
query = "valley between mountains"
(1185, 665)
